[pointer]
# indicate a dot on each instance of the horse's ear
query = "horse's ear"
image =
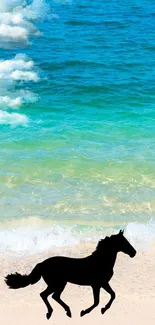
(121, 232)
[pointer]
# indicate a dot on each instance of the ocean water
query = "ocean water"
(77, 122)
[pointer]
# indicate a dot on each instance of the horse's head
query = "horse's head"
(116, 243)
(123, 245)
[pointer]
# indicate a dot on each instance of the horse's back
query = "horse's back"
(67, 269)
(61, 263)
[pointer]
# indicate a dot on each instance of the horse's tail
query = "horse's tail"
(16, 280)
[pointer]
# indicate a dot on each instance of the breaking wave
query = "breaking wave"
(33, 236)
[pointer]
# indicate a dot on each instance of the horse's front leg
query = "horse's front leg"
(96, 293)
(107, 288)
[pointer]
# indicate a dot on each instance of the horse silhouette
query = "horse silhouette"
(95, 270)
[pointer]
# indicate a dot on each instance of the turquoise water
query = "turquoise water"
(77, 122)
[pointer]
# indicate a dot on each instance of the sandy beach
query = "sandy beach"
(133, 283)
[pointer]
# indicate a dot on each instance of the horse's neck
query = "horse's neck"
(107, 258)
(111, 259)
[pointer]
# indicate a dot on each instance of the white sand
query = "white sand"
(133, 283)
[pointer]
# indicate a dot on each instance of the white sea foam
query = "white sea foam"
(5, 4)
(24, 76)
(12, 33)
(141, 235)
(19, 69)
(17, 21)
(36, 237)
(15, 100)
(31, 239)
(19, 63)
(17, 24)
(6, 101)
(13, 119)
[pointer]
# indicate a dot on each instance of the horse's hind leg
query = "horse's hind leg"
(107, 288)
(96, 293)
(56, 296)
(44, 296)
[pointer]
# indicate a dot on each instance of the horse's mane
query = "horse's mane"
(103, 244)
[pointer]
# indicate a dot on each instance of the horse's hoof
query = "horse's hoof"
(48, 315)
(103, 310)
(69, 313)
(82, 313)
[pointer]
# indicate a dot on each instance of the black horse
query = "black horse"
(94, 270)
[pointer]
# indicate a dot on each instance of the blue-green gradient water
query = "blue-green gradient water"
(83, 153)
